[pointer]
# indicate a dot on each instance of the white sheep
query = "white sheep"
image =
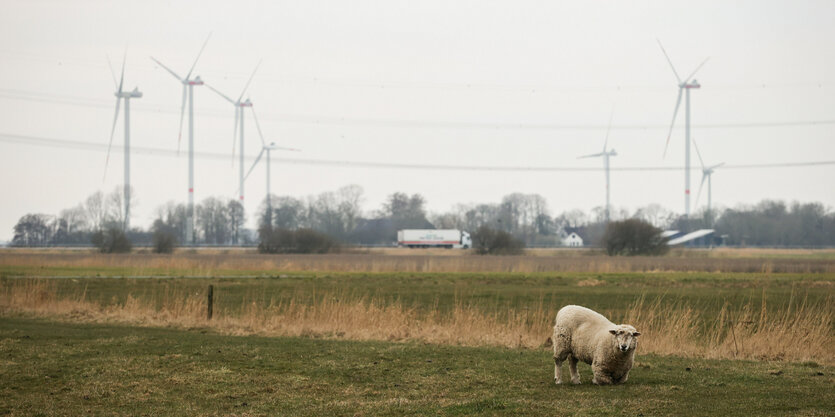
(581, 334)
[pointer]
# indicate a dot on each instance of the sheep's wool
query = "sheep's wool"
(581, 334)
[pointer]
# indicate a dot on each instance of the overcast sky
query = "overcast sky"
(454, 83)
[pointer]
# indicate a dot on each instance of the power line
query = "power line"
(73, 144)
(275, 78)
(399, 123)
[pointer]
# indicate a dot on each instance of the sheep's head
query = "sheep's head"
(626, 338)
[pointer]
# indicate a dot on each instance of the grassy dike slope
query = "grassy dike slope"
(48, 369)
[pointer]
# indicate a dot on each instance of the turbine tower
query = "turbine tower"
(239, 115)
(707, 173)
(265, 148)
(606, 154)
(126, 95)
(188, 91)
(685, 85)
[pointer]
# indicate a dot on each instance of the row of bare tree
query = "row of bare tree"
(339, 214)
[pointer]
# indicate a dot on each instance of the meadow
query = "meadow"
(714, 324)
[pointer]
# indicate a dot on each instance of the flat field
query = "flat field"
(401, 332)
(51, 369)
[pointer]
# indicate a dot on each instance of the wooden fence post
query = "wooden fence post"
(211, 300)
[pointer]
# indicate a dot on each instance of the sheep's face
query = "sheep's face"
(626, 338)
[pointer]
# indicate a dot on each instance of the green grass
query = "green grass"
(63, 369)
(706, 292)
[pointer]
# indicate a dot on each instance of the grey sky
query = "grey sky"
(430, 82)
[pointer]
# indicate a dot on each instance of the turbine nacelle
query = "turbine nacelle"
(246, 103)
(129, 94)
(709, 170)
(692, 84)
(196, 81)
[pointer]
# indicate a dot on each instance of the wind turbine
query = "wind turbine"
(126, 95)
(239, 114)
(606, 154)
(707, 173)
(188, 89)
(265, 148)
(685, 85)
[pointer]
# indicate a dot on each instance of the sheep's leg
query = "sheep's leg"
(561, 351)
(572, 367)
(600, 378)
(622, 379)
(557, 366)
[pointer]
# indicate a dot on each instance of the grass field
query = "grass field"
(237, 262)
(50, 369)
(358, 335)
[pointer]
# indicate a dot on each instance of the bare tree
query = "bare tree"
(213, 221)
(173, 217)
(350, 200)
(656, 215)
(75, 219)
(447, 220)
(289, 213)
(237, 218)
(96, 210)
(325, 215)
(33, 230)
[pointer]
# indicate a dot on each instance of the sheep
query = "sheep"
(581, 334)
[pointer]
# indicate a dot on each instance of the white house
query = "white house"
(573, 240)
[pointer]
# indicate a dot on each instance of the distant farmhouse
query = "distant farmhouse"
(573, 240)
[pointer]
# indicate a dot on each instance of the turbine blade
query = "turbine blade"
(219, 93)
(699, 194)
(668, 60)
(282, 148)
(198, 56)
(591, 155)
(699, 153)
(112, 131)
(257, 126)
(182, 114)
(716, 166)
(675, 112)
(169, 70)
(254, 163)
(112, 73)
(249, 81)
(122, 79)
(608, 128)
(696, 70)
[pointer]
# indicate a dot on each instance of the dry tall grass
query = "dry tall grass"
(796, 332)
(238, 263)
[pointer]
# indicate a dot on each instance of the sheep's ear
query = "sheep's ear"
(613, 331)
(636, 334)
(548, 342)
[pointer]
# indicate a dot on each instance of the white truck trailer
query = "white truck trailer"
(434, 238)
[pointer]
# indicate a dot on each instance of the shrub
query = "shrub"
(112, 240)
(487, 241)
(311, 241)
(164, 238)
(277, 240)
(634, 237)
(164, 241)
